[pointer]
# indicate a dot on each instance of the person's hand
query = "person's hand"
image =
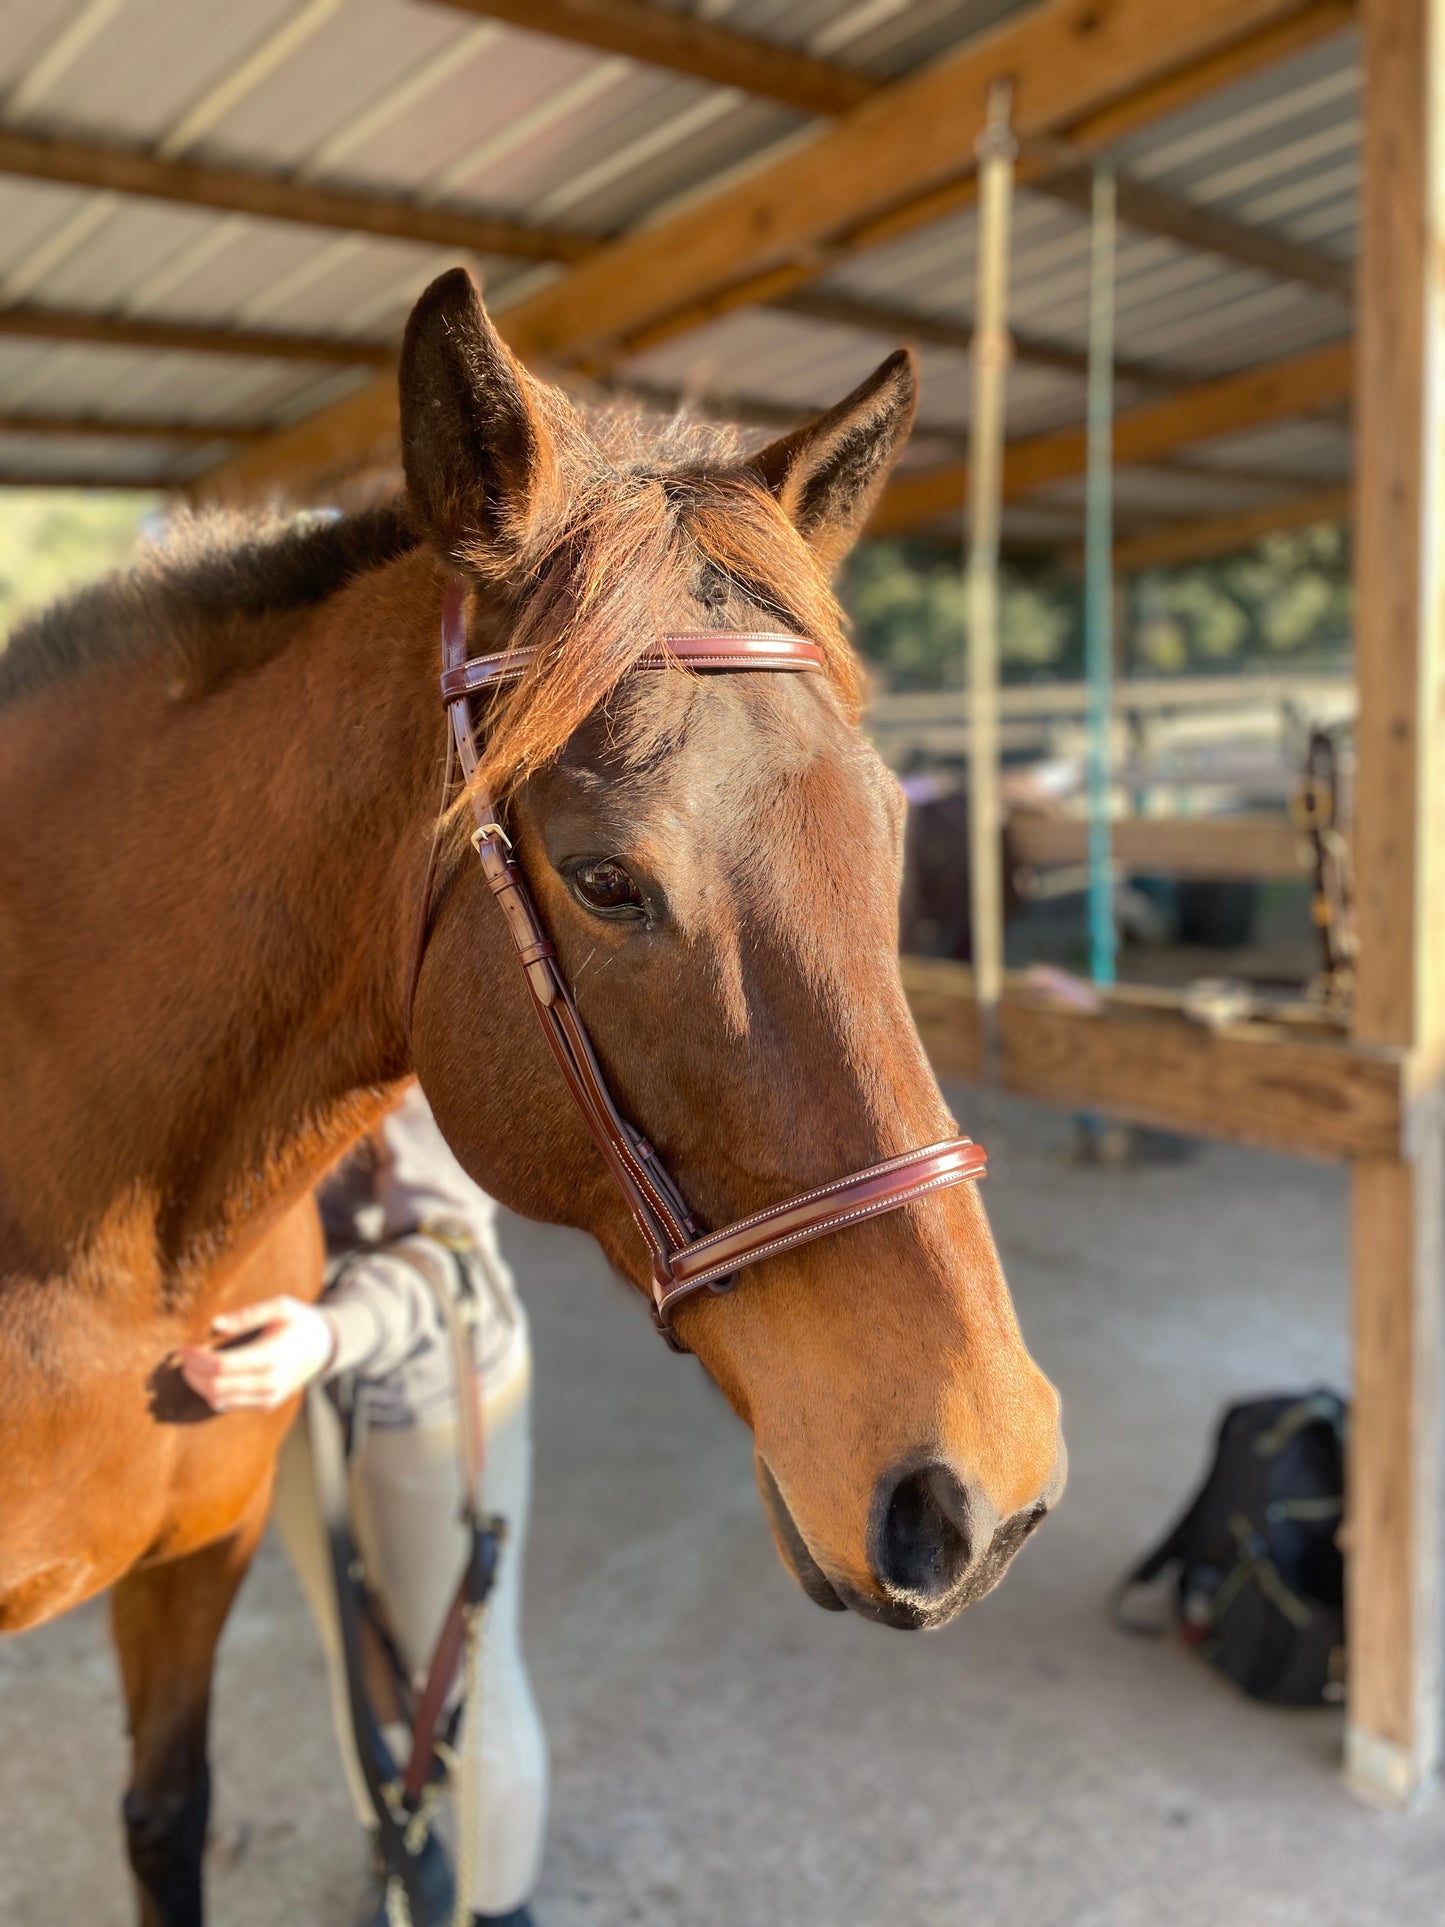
(294, 1343)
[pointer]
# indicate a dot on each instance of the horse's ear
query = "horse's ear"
(828, 474)
(474, 439)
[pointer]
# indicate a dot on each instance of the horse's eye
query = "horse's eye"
(607, 885)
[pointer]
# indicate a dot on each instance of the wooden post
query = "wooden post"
(985, 499)
(1393, 1735)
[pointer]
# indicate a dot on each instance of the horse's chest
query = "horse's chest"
(106, 1458)
(85, 1469)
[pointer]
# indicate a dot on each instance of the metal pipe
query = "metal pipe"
(1099, 575)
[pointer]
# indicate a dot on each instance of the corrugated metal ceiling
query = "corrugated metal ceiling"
(428, 100)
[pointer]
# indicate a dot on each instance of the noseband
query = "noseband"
(685, 1259)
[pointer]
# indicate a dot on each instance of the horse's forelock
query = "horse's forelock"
(622, 572)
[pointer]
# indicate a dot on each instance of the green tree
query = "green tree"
(908, 605)
(53, 540)
(1288, 598)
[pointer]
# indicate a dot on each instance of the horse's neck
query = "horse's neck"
(217, 900)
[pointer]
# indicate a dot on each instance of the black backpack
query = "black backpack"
(1261, 1588)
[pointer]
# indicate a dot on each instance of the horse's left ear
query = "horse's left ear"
(479, 460)
(828, 474)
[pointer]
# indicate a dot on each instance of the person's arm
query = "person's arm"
(370, 1320)
(291, 1343)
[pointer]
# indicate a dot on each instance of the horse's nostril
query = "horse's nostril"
(924, 1534)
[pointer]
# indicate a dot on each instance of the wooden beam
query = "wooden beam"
(109, 480)
(879, 318)
(1179, 542)
(742, 411)
(685, 44)
(1393, 1571)
(1064, 57)
(186, 337)
(1140, 1059)
(1150, 211)
(1248, 848)
(1224, 66)
(907, 324)
(1277, 391)
(147, 428)
(746, 411)
(897, 160)
(1301, 479)
(271, 197)
(1090, 134)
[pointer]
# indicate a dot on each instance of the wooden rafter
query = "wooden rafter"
(81, 478)
(1193, 541)
(272, 197)
(146, 428)
(685, 44)
(723, 406)
(1091, 134)
(903, 158)
(1065, 56)
(1275, 392)
(185, 337)
(877, 318)
(1196, 467)
(1148, 210)
(907, 324)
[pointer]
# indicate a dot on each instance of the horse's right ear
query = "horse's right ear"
(474, 440)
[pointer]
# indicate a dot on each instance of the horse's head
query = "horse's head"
(717, 859)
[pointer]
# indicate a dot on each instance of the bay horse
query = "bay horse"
(219, 784)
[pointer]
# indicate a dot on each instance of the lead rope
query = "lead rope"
(471, 1421)
(413, 1821)
(464, 1770)
(469, 1776)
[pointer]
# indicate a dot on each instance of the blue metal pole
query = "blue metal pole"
(1099, 575)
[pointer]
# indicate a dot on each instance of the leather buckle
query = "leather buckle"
(487, 833)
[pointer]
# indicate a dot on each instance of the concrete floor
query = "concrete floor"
(727, 1756)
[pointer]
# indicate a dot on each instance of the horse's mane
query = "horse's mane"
(183, 593)
(651, 512)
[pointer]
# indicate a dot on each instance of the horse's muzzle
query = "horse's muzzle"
(935, 1545)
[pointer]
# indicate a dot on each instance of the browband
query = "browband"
(753, 649)
(685, 1259)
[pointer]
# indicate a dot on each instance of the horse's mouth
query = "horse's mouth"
(794, 1547)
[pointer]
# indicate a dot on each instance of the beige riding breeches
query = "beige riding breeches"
(405, 1505)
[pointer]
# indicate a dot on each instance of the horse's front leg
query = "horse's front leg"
(166, 1620)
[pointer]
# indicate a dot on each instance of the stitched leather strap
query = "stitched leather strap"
(684, 1259)
(730, 650)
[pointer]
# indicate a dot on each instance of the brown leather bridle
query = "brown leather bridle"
(685, 1259)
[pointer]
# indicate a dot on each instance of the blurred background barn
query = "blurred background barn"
(213, 221)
